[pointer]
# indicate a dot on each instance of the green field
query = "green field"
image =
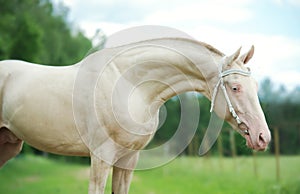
(35, 175)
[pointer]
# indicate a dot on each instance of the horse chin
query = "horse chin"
(245, 132)
(249, 141)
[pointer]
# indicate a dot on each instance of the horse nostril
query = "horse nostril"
(262, 141)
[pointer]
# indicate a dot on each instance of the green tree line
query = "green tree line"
(282, 110)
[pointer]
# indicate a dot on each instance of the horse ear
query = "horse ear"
(247, 56)
(229, 60)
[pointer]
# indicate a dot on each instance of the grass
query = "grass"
(36, 175)
(32, 175)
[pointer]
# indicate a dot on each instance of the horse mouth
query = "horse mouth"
(245, 132)
(249, 141)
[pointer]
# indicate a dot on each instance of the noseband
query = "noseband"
(220, 83)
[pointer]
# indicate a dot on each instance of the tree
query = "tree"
(27, 50)
(37, 31)
(282, 110)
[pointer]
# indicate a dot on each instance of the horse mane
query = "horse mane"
(207, 46)
(211, 48)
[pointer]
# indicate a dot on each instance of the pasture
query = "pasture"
(32, 174)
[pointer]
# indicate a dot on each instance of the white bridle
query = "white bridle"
(222, 85)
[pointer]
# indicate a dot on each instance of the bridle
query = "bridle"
(220, 83)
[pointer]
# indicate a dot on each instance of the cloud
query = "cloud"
(199, 11)
(157, 11)
(288, 2)
(118, 11)
(90, 27)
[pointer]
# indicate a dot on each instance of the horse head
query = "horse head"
(240, 95)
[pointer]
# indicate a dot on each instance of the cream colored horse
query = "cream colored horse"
(106, 106)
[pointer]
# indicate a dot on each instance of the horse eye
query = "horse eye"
(235, 89)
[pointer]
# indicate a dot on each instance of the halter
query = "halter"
(222, 85)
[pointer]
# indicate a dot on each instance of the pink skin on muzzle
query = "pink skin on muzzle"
(258, 135)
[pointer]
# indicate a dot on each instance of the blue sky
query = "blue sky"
(272, 26)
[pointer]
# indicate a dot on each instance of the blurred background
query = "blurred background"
(62, 32)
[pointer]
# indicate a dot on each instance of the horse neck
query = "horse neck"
(157, 71)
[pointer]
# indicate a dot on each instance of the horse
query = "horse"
(107, 106)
